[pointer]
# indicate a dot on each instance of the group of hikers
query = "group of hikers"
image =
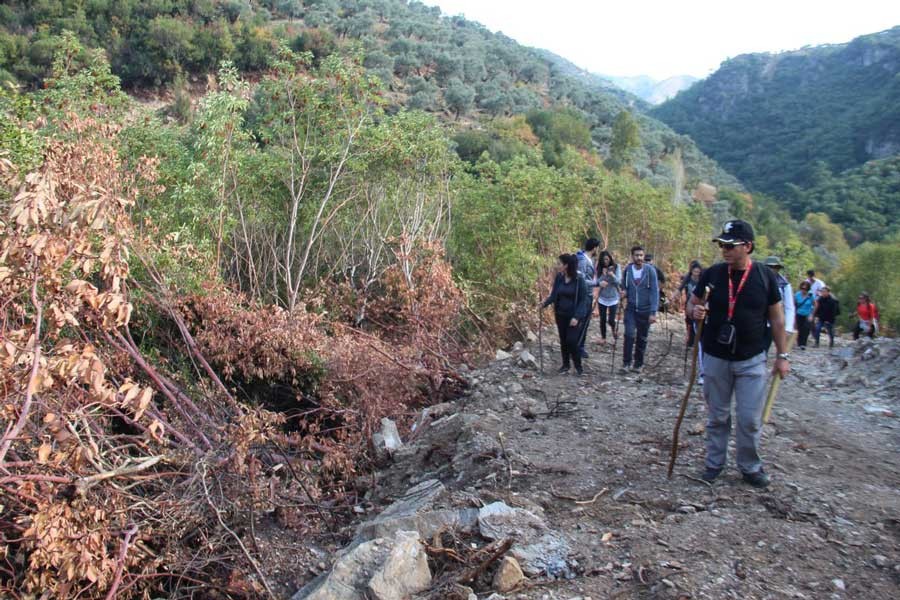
(739, 307)
(572, 296)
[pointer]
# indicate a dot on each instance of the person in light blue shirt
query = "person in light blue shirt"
(804, 307)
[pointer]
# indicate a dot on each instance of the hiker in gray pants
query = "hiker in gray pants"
(743, 296)
(746, 379)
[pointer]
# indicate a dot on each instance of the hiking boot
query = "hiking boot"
(625, 370)
(709, 474)
(584, 354)
(579, 371)
(700, 380)
(757, 480)
(636, 369)
(563, 369)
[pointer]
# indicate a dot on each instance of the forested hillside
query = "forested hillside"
(864, 200)
(209, 306)
(774, 119)
(446, 65)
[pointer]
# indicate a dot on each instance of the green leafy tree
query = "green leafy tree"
(863, 270)
(460, 97)
(625, 140)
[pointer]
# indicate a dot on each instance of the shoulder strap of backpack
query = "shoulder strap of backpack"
(765, 279)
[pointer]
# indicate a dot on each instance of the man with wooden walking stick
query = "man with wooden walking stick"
(744, 296)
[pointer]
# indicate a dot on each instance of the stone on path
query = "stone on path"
(414, 511)
(527, 360)
(881, 411)
(502, 355)
(387, 441)
(509, 575)
(537, 548)
(393, 568)
(405, 571)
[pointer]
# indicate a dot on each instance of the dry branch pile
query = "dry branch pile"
(123, 476)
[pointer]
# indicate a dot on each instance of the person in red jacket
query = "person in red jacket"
(867, 313)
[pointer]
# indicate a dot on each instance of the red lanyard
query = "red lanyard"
(732, 295)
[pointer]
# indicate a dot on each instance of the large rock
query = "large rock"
(415, 511)
(508, 576)
(386, 568)
(527, 360)
(387, 441)
(537, 548)
(404, 572)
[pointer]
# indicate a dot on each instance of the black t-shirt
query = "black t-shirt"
(751, 312)
(566, 296)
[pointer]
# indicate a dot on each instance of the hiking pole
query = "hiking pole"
(541, 337)
(615, 332)
(775, 384)
(687, 393)
(540, 328)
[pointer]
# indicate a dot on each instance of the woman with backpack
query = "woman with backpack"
(805, 306)
(571, 300)
(609, 280)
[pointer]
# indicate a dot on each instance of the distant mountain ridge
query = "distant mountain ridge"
(651, 90)
(768, 117)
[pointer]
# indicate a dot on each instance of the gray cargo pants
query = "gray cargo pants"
(746, 380)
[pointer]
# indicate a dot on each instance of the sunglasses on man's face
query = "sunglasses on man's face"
(726, 246)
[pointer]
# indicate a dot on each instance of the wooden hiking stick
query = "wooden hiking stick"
(775, 384)
(663, 356)
(615, 332)
(541, 337)
(540, 328)
(687, 394)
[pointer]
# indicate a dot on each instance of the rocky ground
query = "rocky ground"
(572, 471)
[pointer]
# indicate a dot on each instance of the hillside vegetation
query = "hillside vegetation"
(210, 305)
(447, 65)
(785, 121)
(206, 318)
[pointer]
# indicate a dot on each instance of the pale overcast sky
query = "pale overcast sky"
(662, 38)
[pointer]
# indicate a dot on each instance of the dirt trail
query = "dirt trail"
(828, 526)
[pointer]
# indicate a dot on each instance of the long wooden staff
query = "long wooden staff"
(687, 393)
(540, 329)
(615, 332)
(775, 384)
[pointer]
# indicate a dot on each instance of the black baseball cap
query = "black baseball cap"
(735, 231)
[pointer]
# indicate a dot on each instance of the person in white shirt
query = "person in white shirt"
(787, 299)
(815, 285)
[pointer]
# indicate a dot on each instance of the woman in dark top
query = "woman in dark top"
(571, 300)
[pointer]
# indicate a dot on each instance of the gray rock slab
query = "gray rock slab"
(414, 511)
(537, 548)
(393, 568)
(404, 572)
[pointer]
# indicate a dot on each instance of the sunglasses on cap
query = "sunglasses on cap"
(730, 246)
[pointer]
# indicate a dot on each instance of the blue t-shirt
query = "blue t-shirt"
(804, 305)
